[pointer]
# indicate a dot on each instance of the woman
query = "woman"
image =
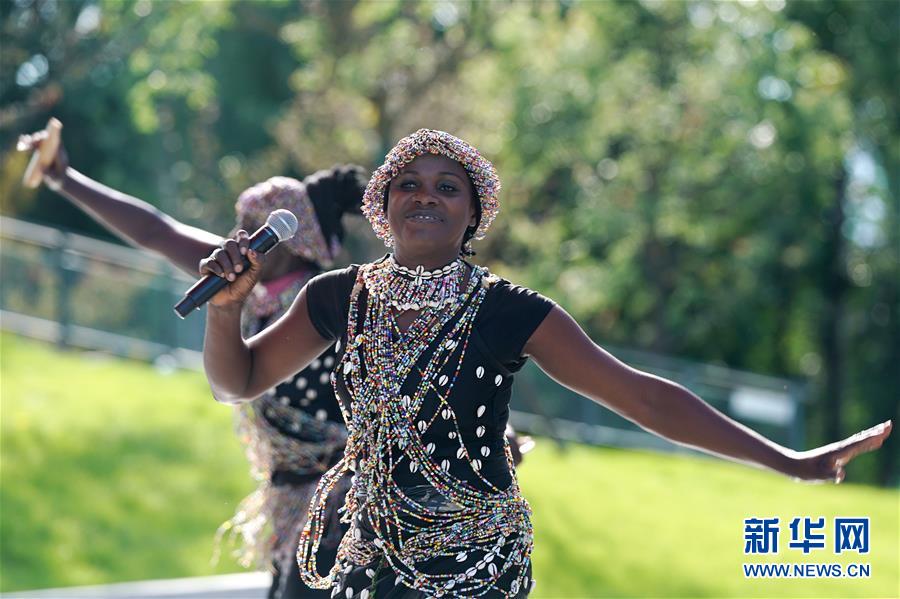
(429, 346)
(293, 431)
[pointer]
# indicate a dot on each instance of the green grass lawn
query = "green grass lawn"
(617, 523)
(112, 471)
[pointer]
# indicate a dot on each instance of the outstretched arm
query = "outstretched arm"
(562, 349)
(238, 369)
(131, 218)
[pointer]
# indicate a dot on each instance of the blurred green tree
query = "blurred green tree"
(686, 185)
(863, 283)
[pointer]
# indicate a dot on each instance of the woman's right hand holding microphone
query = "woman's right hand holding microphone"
(228, 262)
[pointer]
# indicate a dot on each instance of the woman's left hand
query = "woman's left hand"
(54, 173)
(827, 463)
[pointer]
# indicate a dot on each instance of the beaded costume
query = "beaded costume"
(434, 507)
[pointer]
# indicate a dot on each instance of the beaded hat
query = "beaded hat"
(428, 141)
(257, 202)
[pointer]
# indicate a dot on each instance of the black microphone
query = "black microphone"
(281, 225)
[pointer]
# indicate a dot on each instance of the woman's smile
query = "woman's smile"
(424, 215)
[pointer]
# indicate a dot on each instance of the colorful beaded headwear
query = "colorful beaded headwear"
(257, 202)
(429, 141)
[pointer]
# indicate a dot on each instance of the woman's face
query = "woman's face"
(430, 204)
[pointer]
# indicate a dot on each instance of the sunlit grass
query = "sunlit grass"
(112, 471)
(615, 523)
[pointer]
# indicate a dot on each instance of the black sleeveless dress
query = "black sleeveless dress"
(470, 446)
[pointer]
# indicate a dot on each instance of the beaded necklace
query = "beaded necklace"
(388, 430)
(415, 289)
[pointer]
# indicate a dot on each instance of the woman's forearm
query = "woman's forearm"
(227, 359)
(566, 353)
(126, 215)
(680, 416)
(138, 222)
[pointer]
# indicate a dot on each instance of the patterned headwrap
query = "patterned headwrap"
(257, 202)
(429, 141)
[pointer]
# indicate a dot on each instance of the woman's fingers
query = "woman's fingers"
(863, 442)
(232, 260)
(227, 262)
(211, 265)
(223, 257)
(55, 171)
(833, 459)
(219, 263)
(867, 440)
(255, 262)
(243, 241)
(31, 141)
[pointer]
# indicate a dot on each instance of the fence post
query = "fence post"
(168, 321)
(63, 270)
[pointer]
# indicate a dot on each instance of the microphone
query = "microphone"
(281, 225)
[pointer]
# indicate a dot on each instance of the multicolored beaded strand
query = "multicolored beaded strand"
(387, 431)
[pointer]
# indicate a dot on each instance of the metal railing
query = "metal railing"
(82, 292)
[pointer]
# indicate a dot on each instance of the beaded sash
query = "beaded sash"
(387, 430)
